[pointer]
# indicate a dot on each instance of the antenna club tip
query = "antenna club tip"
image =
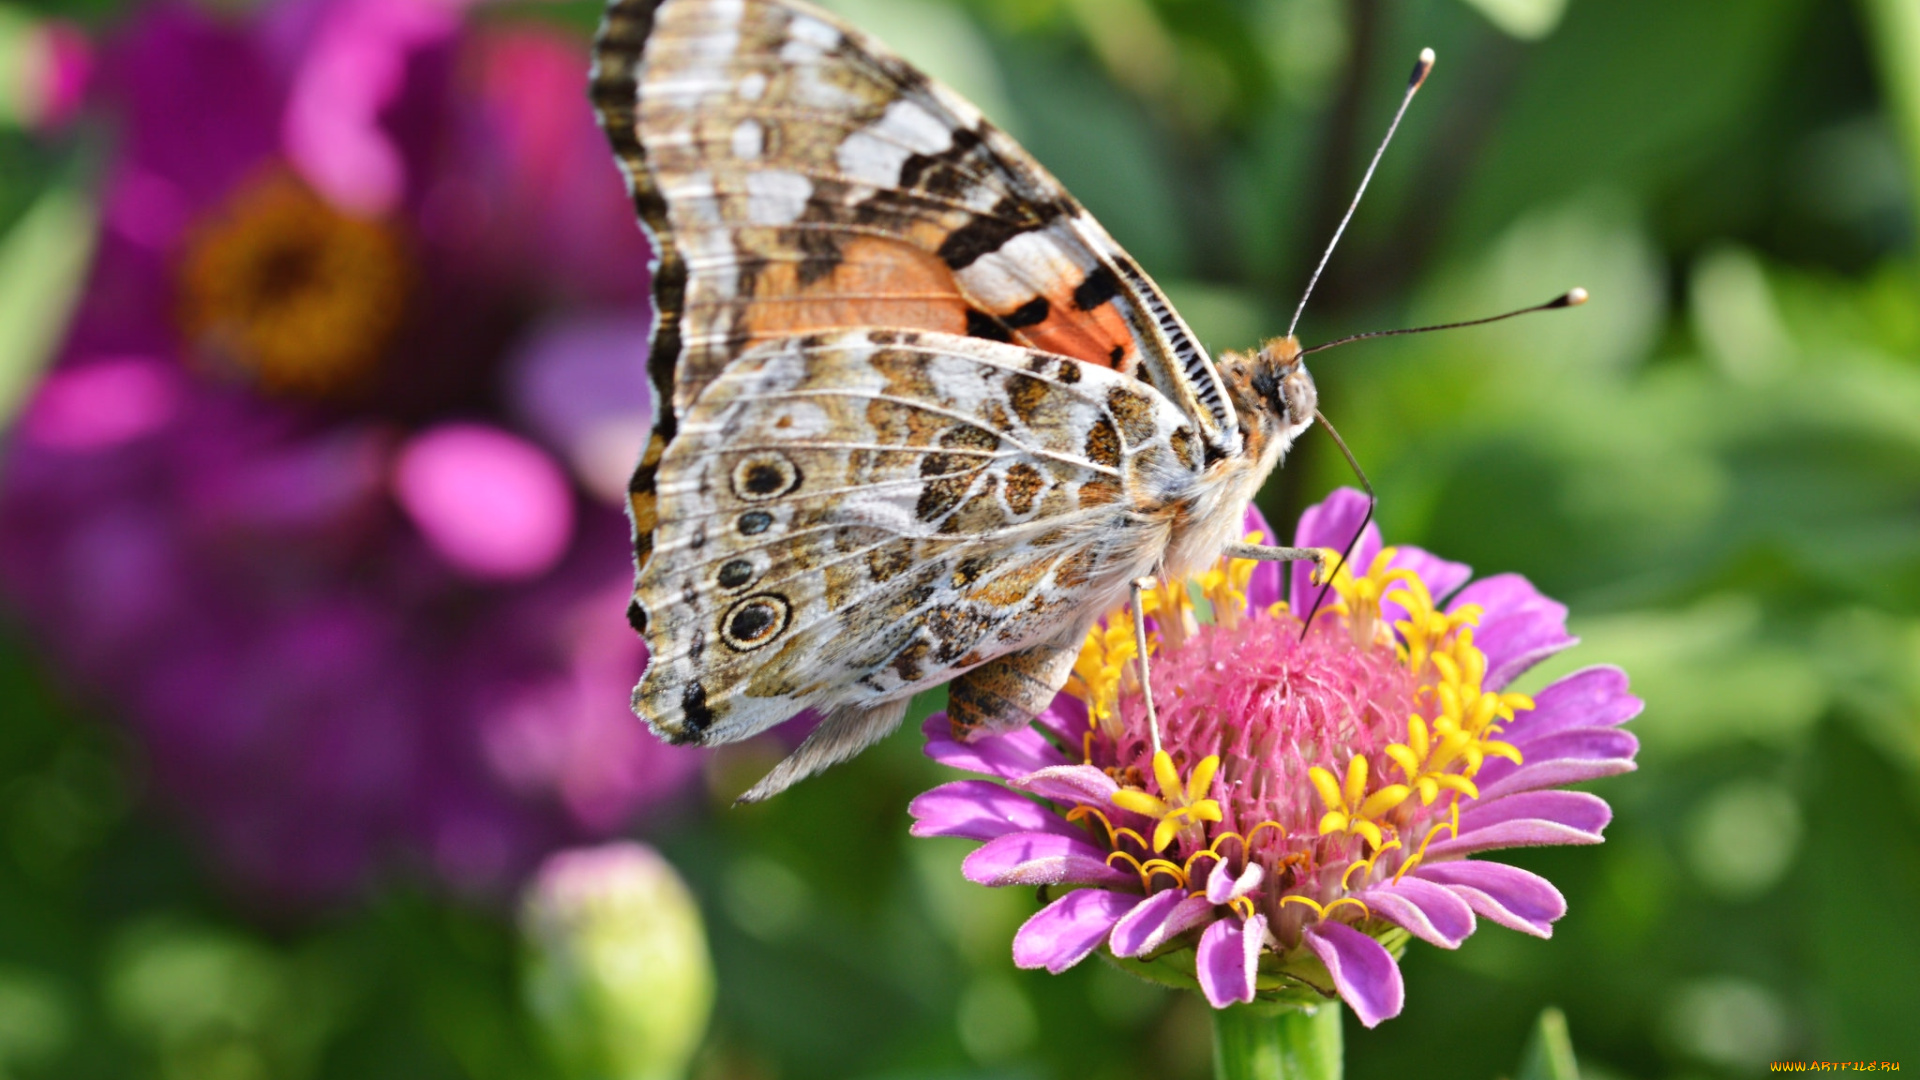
(1576, 296)
(1422, 68)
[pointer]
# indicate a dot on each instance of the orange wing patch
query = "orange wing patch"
(1078, 319)
(877, 282)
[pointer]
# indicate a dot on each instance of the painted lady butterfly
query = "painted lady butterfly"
(922, 419)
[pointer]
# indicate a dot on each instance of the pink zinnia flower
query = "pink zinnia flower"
(1316, 798)
(322, 493)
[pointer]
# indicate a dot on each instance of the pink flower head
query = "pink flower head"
(1316, 796)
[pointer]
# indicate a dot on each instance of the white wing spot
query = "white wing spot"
(808, 41)
(776, 197)
(1005, 279)
(694, 195)
(876, 153)
(753, 86)
(749, 139)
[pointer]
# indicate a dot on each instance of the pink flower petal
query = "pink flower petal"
(1229, 959)
(1363, 971)
(1532, 819)
(1066, 931)
(1428, 911)
(982, 810)
(1224, 888)
(1082, 784)
(1558, 760)
(1164, 916)
(1577, 809)
(1514, 898)
(1554, 774)
(493, 505)
(355, 69)
(1520, 626)
(1441, 576)
(1589, 698)
(575, 384)
(102, 403)
(1066, 718)
(1331, 524)
(1015, 754)
(1029, 858)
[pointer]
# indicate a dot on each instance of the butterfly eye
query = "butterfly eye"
(1302, 398)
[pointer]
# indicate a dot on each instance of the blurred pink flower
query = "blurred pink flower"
(301, 498)
(488, 502)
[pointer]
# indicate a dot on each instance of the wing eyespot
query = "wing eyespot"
(735, 574)
(763, 476)
(755, 622)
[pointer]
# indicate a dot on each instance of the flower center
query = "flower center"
(278, 284)
(1329, 759)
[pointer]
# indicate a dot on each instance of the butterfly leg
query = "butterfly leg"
(1257, 552)
(1140, 586)
(1004, 693)
(1263, 553)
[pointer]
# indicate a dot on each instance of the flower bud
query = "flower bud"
(45, 66)
(617, 972)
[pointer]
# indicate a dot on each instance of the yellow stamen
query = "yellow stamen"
(1426, 627)
(1346, 879)
(1323, 910)
(1365, 912)
(1081, 813)
(1146, 881)
(1353, 810)
(1451, 825)
(1360, 595)
(1103, 669)
(1314, 904)
(1426, 761)
(1180, 808)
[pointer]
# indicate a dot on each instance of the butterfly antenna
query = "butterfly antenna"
(1420, 72)
(1570, 298)
(1353, 463)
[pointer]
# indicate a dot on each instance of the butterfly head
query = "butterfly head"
(1272, 391)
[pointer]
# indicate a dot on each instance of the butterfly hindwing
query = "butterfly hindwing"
(797, 177)
(848, 518)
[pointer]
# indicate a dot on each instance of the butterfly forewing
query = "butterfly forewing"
(798, 177)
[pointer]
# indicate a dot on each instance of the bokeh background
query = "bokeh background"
(320, 327)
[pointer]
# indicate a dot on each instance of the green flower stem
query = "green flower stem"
(1277, 1042)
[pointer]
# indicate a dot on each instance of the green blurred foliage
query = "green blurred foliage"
(1716, 463)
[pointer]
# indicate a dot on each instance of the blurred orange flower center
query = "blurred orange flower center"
(280, 286)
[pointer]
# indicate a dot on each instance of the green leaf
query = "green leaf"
(1528, 19)
(1549, 1056)
(42, 265)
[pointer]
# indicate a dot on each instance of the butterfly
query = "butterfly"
(920, 420)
